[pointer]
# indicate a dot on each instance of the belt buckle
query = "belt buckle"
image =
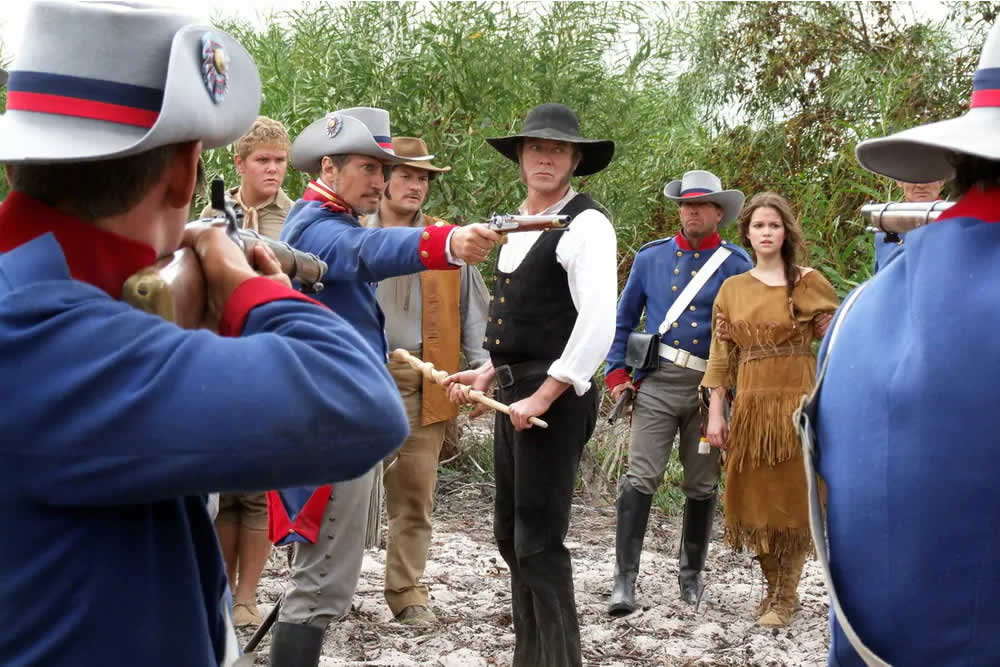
(682, 355)
(504, 376)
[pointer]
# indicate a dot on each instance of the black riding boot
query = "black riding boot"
(695, 535)
(296, 645)
(633, 513)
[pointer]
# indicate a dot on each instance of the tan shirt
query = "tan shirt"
(269, 217)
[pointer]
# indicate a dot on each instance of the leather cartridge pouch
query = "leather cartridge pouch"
(642, 351)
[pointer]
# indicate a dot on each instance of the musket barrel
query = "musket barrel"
(297, 265)
(901, 217)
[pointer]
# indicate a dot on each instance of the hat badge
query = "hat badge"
(334, 123)
(214, 67)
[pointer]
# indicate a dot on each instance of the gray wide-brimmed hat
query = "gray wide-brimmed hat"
(923, 154)
(96, 81)
(699, 185)
(354, 131)
(557, 122)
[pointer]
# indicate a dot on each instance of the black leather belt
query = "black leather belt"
(509, 374)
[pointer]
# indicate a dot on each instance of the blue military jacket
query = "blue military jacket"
(359, 257)
(116, 422)
(659, 273)
(908, 448)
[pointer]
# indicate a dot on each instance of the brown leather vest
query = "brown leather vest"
(441, 331)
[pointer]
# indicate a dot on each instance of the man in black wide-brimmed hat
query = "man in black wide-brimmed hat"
(552, 320)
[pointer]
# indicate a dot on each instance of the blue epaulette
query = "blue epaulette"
(653, 243)
(737, 249)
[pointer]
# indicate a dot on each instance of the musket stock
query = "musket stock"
(173, 288)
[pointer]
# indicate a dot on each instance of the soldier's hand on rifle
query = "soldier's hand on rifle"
(267, 265)
(223, 262)
(617, 390)
(472, 243)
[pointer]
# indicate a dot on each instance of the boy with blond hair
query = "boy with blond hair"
(262, 160)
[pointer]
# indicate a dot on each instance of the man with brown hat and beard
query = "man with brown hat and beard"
(437, 316)
(551, 322)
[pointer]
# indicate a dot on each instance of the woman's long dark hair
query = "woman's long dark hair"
(791, 247)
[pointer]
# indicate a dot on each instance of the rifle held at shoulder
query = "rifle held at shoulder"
(174, 287)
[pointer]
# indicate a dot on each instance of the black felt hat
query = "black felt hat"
(557, 122)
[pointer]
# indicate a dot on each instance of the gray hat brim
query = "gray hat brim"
(354, 138)
(597, 153)
(925, 153)
(731, 201)
(188, 113)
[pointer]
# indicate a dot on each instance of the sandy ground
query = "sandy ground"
(470, 593)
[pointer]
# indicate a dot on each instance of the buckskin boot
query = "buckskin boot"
(786, 596)
(296, 645)
(633, 514)
(696, 531)
(769, 566)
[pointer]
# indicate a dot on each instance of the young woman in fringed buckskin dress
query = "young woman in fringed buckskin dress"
(765, 322)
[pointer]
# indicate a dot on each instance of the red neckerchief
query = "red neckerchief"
(707, 243)
(976, 203)
(317, 191)
(94, 255)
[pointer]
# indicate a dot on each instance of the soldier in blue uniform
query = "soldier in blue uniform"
(666, 400)
(348, 150)
(117, 423)
(906, 425)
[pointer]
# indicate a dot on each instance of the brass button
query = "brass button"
(676, 271)
(695, 341)
(424, 254)
(425, 235)
(692, 308)
(486, 339)
(677, 342)
(697, 255)
(679, 253)
(500, 321)
(491, 297)
(693, 272)
(489, 319)
(676, 325)
(694, 324)
(673, 288)
(497, 341)
(507, 281)
(503, 299)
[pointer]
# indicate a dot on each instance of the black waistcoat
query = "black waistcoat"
(532, 313)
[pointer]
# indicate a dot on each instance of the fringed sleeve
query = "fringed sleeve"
(723, 354)
(816, 297)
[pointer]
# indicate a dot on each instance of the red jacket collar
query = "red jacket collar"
(976, 203)
(707, 243)
(94, 255)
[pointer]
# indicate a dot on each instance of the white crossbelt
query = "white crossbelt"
(682, 358)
